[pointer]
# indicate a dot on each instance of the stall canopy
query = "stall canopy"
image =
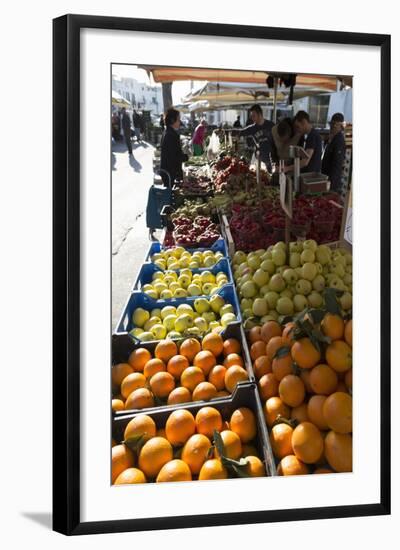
(120, 101)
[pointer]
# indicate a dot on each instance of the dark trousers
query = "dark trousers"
(127, 136)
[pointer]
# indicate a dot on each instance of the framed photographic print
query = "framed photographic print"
(221, 213)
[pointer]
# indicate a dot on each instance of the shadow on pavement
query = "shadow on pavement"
(135, 164)
(42, 518)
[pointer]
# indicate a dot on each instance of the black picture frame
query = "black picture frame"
(66, 273)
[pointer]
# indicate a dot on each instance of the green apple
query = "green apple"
(274, 314)
(174, 334)
(286, 293)
(175, 265)
(268, 266)
(201, 324)
(140, 317)
(213, 325)
(300, 302)
(315, 299)
(267, 255)
(156, 312)
(184, 262)
(294, 260)
(281, 269)
(260, 307)
(185, 308)
(201, 304)
(136, 332)
(194, 265)
(216, 302)
(156, 256)
(272, 298)
(318, 283)
(348, 278)
(323, 254)
(152, 294)
(307, 256)
(209, 316)
(169, 322)
(208, 288)
(209, 261)
(227, 319)
(167, 310)
(337, 269)
(290, 276)
(264, 290)
(193, 331)
(277, 283)
(254, 262)
(279, 256)
(285, 306)
(180, 293)
(161, 264)
(310, 244)
(169, 280)
(166, 294)
(319, 267)
(246, 313)
(174, 286)
(158, 275)
(309, 271)
(146, 336)
(184, 280)
(151, 322)
(346, 300)
(183, 322)
(281, 245)
(245, 303)
(159, 286)
(303, 287)
(295, 247)
(194, 290)
(207, 277)
(159, 331)
(147, 287)
(226, 308)
(248, 289)
(261, 277)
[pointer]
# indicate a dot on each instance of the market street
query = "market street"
(131, 179)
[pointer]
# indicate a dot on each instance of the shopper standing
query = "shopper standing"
(237, 123)
(171, 150)
(198, 138)
(137, 122)
(126, 128)
(334, 154)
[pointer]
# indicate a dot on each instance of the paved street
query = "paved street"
(131, 179)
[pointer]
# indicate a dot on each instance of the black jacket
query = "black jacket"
(171, 155)
(332, 161)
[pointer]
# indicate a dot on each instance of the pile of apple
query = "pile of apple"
(206, 315)
(197, 232)
(177, 257)
(279, 281)
(180, 284)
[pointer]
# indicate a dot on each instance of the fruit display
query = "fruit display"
(194, 318)
(283, 281)
(194, 185)
(193, 208)
(304, 375)
(190, 444)
(200, 231)
(177, 257)
(179, 372)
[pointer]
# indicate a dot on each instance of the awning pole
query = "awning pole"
(275, 98)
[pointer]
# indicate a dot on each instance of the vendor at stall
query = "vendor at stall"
(310, 140)
(283, 136)
(332, 161)
(171, 149)
(260, 130)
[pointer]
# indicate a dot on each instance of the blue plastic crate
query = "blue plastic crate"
(147, 270)
(140, 299)
(218, 246)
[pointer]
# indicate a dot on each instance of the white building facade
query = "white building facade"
(141, 95)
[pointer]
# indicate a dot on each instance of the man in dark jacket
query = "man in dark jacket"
(260, 129)
(332, 161)
(171, 150)
(126, 128)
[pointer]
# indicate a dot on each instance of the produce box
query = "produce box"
(123, 345)
(148, 269)
(245, 395)
(141, 300)
(218, 246)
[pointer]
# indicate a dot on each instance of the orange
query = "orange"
(348, 332)
(121, 459)
(190, 348)
(232, 445)
(257, 349)
(274, 407)
(305, 376)
(243, 423)
(119, 372)
(153, 366)
(273, 345)
(339, 356)
(254, 334)
(281, 366)
(217, 377)
(249, 450)
(205, 360)
(130, 476)
(323, 379)
(204, 392)
(191, 377)
(268, 386)
(131, 383)
(304, 354)
(179, 427)
(233, 359)
(323, 471)
(233, 376)
(269, 330)
(337, 412)
(140, 425)
(299, 413)
(307, 442)
(255, 468)
(177, 364)
(165, 350)
(292, 390)
(138, 358)
(333, 326)
(175, 470)
(195, 452)
(339, 451)
(291, 466)
(139, 399)
(156, 452)
(223, 393)
(231, 345)
(287, 334)
(207, 420)
(213, 469)
(281, 440)
(162, 384)
(213, 342)
(117, 405)
(179, 395)
(315, 411)
(348, 379)
(262, 365)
